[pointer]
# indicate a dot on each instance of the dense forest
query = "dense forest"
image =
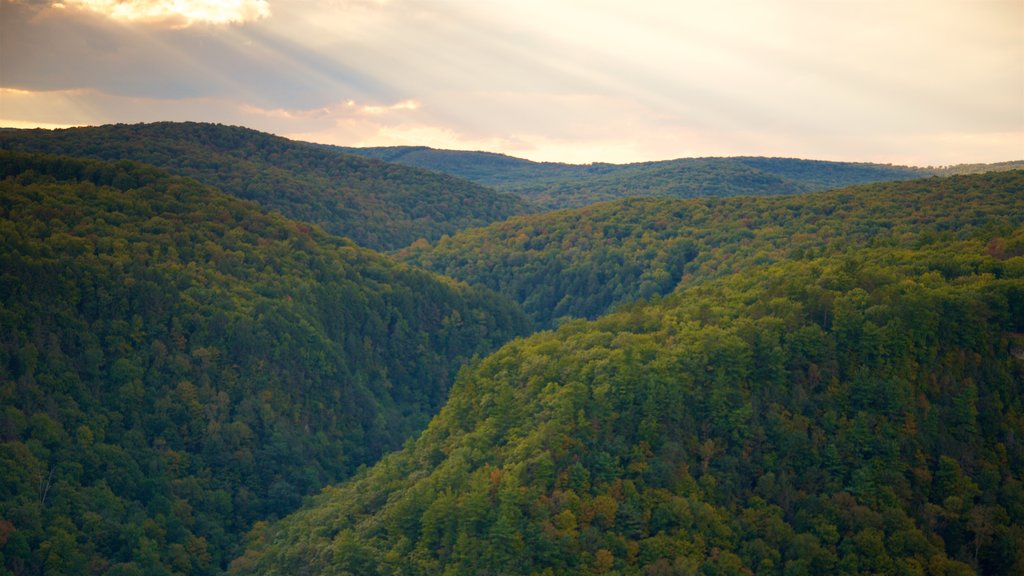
(176, 364)
(379, 205)
(581, 263)
(853, 414)
(204, 368)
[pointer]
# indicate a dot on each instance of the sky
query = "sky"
(926, 83)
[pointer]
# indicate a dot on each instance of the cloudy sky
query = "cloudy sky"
(926, 82)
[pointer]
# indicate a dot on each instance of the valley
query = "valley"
(226, 352)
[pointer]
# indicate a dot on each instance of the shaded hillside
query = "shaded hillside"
(555, 185)
(849, 415)
(176, 364)
(379, 205)
(582, 262)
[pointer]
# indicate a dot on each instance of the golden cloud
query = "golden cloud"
(176, 13)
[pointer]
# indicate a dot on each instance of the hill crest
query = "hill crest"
(379, 205)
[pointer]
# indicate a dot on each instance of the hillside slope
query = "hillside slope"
(379, 205)
(847, 415)
(581, 263)
(176, 364)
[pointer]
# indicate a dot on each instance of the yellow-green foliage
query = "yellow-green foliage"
(840, 415)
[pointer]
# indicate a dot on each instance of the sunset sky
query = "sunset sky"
(903, 81)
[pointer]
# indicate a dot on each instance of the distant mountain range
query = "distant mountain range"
(386, 198)
(555, 185)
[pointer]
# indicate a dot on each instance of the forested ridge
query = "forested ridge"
(851, 414)
(979, 168)
(379, 205)
(555, 185)
(701, 177)
(509, 172)
(581, 263)
(177, 364)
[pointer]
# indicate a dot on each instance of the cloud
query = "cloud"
(176, 13)
(347, 109)
(267, 63)
(581, 80)
(403, 105)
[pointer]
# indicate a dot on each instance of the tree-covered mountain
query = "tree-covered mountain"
(379, 205)
(176, 364)
(580, 263)
(854, 414)
(555, 185)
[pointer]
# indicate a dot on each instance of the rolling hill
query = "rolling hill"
(379, 205)
(177, 364)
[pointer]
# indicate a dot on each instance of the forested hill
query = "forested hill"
(856, 414)
(177, 364)
(379, 205)
(555, 185)
(690, 178)
(582, 262)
